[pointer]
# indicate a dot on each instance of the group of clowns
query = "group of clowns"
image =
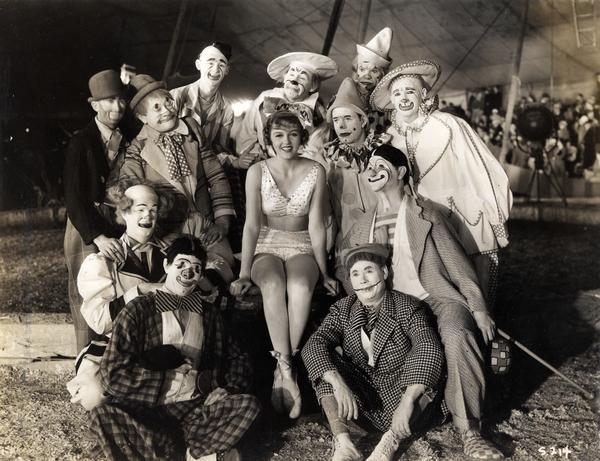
(377, 195)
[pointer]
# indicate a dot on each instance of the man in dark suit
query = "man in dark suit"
(92, 152)
(429, 263)
(391, 360)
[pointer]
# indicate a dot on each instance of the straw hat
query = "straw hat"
(319, 65)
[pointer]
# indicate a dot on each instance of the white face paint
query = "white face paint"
(367, 74)
(183, 274)
(297, 82)
(368, 281)
(347, 125)
(378, 172)
(406, 94)
(141, 217)
(213, 66)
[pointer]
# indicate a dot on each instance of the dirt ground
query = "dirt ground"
(549, 299)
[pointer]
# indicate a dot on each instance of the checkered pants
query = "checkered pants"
(132, 433)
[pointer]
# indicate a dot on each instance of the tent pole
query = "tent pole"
(174, 39)
(515, 84)
(364, 22)
(336, 12)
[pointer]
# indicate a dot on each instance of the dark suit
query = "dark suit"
(448, 277)
(406, 351)
(85, 174)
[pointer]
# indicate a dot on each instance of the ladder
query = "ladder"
(584, 19)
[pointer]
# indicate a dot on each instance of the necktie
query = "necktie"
(113, 144)
(144, 259)
(168, 302)
(371, 320)
(171, 145)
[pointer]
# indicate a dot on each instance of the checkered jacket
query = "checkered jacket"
(137, 335)
(406, 350)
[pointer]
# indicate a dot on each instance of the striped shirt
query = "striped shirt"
(388, 222)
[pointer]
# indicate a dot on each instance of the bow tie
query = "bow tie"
(168, 302)
(171, 145)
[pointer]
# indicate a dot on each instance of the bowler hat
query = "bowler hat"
(105, 84)
(144, 85)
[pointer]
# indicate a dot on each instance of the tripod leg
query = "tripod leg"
(530, 185)
(555, 183)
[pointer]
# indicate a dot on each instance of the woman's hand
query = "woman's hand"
(240, 286)
(331, 285)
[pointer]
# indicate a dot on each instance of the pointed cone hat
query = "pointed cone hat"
(347, 96)
(377, 50)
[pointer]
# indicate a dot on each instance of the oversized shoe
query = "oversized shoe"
(386, 448)
(344, 450)
(230, 455)
(476, 447)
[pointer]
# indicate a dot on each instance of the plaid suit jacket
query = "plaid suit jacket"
(137, 333)
(445, 270)
(406, 349)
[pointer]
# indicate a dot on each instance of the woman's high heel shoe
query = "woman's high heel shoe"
(277, 390)
(292, 400)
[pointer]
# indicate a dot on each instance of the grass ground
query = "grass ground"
(549, 298)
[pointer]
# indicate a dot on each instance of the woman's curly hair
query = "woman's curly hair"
(285, 119)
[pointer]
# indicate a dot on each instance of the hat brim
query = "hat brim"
(321, 66)
(375, 249)
(144, 91)
(429, 71)
(377, 59)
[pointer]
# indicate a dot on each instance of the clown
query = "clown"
(203, 100)
(371, 63)
(345, 158)
(171, 372)
(106, 285)
(449, 164)
(170, 152)
(429, 263)
(301, 73)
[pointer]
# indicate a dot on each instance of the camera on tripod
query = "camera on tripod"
(536, 125)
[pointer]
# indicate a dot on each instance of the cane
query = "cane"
(593, 397)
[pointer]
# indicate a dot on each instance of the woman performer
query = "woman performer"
(283, 247)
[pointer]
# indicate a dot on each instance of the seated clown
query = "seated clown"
(172, 375)
(301, 74)
(429, 263)
(171, 153)
(374, 358)
(106, 285)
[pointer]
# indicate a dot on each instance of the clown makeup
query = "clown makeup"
(378, 172)
(368, 74)
(213, 66)
(297, 82)
(183, 274)
(406, 94)
(286, 140)
(161, 113)
(348, 125)
(140, 218)
(110, 111)
(368, 281)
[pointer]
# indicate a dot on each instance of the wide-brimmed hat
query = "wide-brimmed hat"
(347, 96)
(376, 249)
(144, 85)
(105, 84)
(428, 71)
(377, 50)
(319, 65)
